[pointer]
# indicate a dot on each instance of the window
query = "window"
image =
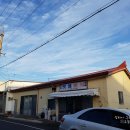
(97, 116)
(84, 83)
(120, 120)
(51, 104)
(54, 89)
(120, 96)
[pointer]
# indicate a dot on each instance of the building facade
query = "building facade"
(6, 104)
(106, 88)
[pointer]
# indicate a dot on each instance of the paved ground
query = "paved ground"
(19, 124)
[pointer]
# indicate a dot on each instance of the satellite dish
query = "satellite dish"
(1, 37)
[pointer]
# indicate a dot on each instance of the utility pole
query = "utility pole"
(1, 41)
(1, 38)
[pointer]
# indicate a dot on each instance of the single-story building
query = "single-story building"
(105, 88)
(5, 104)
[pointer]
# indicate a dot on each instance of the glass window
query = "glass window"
(97, 116)
(54, 89)
(120, 96)
(51, 104)
(28, 105)
(120, 120)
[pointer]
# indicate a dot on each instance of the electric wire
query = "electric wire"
(5, 8)
(27, 17)
(66, 30)
(42, 27)
(33, 33)
(33, 11)
(12, 12)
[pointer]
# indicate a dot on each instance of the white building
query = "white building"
(7, 102)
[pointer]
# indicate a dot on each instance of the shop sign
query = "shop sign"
(73, 86)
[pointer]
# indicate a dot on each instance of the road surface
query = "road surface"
(9, 124)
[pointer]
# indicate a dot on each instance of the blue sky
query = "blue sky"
(99, 43)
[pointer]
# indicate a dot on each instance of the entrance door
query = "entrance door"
(15, 106)
(28, 105)
(74, 104)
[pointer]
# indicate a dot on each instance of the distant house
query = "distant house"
(106, 88)
(7, 86)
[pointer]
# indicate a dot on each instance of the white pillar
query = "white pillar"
(57, 109)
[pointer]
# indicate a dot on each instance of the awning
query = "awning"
(87, 92)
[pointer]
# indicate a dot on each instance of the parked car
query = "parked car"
(97, 119)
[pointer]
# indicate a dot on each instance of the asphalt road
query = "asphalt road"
(9, 124)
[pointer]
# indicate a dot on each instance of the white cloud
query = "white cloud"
(45, 16)
(85, 48)
(28, 4)
(123, 45)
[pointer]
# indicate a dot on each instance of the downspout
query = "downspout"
(4, 99)
(37, 102)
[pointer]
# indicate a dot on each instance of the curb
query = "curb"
(23, 119)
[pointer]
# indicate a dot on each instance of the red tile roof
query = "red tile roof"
(102, 73)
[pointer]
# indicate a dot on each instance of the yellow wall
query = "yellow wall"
(118, 82)
(42, 98)
(108, 88)
(102, 100)
(18, 95)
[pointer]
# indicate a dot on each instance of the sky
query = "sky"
(99, 43)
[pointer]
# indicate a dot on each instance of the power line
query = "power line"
(34, 32)
(65, 10)
(3, 75)
(66, 30)
(5, 8)
(33, 11)
(6, 71)
(12, 11)
(27, 17)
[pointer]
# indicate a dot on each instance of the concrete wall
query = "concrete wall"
(42, 98)
(2, 86)
(17, 97)
(118, 82)
(13, 84)
(9, 103)
(101, 84)
(108, 88)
